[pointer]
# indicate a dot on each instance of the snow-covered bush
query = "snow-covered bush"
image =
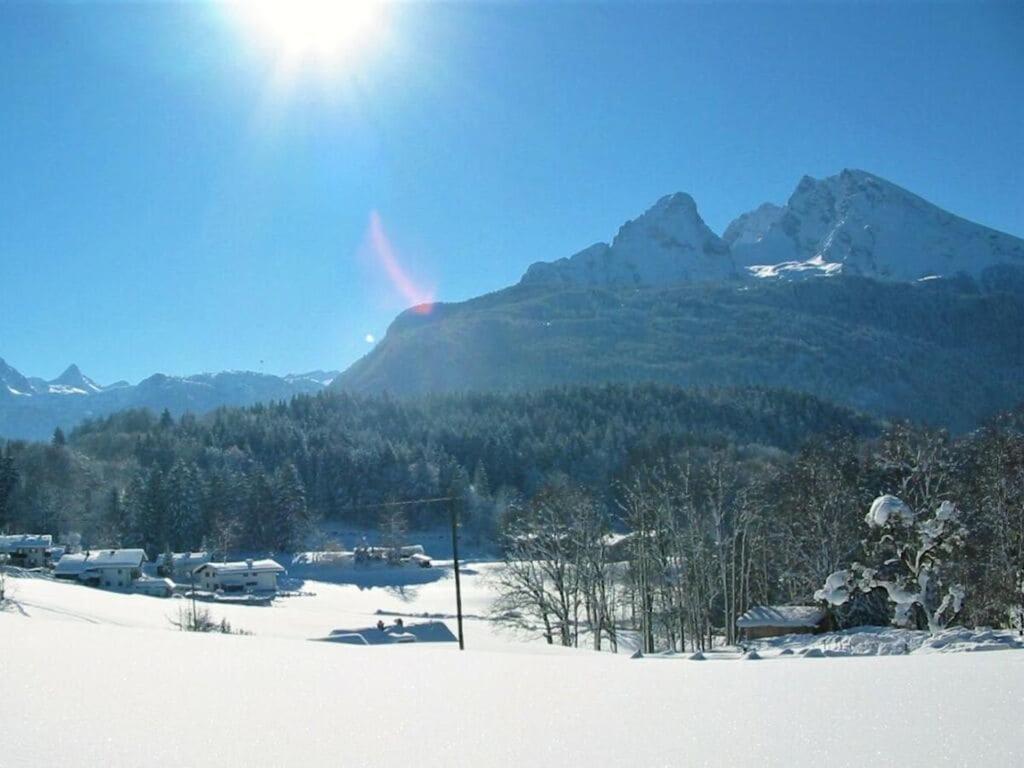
(915, 558)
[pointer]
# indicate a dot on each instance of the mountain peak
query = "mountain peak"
(669, 242)
(859, 223)
(12, 382)
(752, 226)
(74, 379)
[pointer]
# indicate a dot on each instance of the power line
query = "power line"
(455, 545)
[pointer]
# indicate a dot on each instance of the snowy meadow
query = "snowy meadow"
(107, 677)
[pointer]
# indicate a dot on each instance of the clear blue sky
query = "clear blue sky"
(166, 204)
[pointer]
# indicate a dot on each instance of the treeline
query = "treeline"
(714, 532)
(260, 477)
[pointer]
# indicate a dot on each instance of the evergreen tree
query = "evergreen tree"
(184, 510)
(166, 420)
(290, 519)
(153, 523)
(259, 513)
(8, 482)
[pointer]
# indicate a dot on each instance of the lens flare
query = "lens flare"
(420, 297)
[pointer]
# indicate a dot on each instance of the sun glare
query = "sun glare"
(325, 33)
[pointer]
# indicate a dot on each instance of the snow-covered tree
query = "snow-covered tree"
(915, 558)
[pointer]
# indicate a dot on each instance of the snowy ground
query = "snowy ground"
(103, 677)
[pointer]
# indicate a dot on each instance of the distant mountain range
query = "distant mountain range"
(31, 408)
(855, 290)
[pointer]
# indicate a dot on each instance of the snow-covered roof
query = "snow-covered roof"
(781, 616)
(184, 559)
(25, 541)
(151, 584)
(115, 558)
(242, 566)
(70, 565)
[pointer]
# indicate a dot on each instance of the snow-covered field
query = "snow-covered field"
(103, 678)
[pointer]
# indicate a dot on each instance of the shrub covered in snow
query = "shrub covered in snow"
(914, 555)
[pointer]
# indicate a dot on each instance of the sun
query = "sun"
(324, 33)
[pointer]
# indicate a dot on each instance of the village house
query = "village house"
(241, 576)
(107, 568)
(26, 550)
(180, 565)
(113, 568)
(774, 620)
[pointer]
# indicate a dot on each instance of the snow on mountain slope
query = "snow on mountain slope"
(89, 690)
(668, 243)
(12, 383)
(858, 223)
(852, 223)
(73, 381)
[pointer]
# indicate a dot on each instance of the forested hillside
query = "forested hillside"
(945, 352)
(761, 494)
(255, 477)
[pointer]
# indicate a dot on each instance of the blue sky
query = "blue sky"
(169, 204)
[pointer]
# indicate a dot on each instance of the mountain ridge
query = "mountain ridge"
(851, 223)
(837, 320)
(31, 407)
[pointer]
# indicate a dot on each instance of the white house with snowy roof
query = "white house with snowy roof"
(775, 620)
(26, 550)
(112, 568)
(107, 568)
(240, 576)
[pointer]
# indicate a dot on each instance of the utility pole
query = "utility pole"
(192, 577)
(455, 563)
(454, 512)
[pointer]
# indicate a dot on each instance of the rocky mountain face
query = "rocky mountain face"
(668, 243)
(853, 223)
(31, 408)
(856, 290)
(857, 223)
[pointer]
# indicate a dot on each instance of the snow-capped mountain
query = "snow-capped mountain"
(669, 301)
(670, 242)
(31, 407)
(12, 383)
(74, 382)
(854, 223)
(857, 223)
(320, 377)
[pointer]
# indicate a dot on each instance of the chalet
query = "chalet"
(242, 576)
(180, 565)
(775, 620)
(112, 568)
(26, 550)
